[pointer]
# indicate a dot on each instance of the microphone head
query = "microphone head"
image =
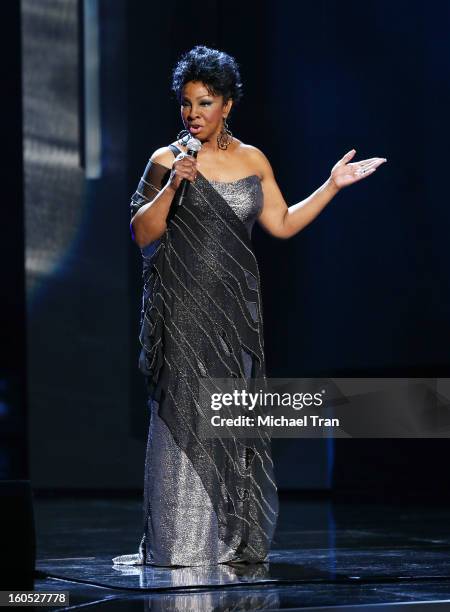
(194, 144)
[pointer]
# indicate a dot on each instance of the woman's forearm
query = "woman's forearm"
(149, 222)
(301, 214)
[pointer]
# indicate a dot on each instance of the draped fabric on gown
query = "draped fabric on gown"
(206, 500)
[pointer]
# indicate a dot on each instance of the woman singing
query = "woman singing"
(208, 500)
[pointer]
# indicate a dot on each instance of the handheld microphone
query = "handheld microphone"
(193, 147)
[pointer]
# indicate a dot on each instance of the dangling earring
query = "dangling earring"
(225, 137)
(183, 137)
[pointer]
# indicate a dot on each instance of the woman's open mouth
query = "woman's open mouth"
(195, 129)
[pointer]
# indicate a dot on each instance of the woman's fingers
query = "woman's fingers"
(362, 173)
(363, 167)
(186, 167)
(367, 166)
(372, 160)
(348, 155)
(186, 163)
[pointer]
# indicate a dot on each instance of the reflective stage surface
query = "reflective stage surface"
(323, 555)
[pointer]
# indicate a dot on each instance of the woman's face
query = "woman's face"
(201, 112)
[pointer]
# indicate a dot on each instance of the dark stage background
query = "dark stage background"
(362, 291)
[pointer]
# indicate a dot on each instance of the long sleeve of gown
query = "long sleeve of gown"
(151, 182)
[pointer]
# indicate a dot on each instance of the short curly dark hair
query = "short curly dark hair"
(216, 69)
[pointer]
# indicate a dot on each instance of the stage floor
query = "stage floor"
(324, 555)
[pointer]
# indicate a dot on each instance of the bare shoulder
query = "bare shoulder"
(256, 158)
(163, 156)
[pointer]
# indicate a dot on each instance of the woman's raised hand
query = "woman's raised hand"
(345, 173)
(183, 167)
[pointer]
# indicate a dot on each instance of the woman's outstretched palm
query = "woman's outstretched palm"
(345, 173)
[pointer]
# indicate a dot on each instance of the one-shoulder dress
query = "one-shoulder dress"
(205, 501)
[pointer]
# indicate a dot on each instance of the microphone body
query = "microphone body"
(193, 147)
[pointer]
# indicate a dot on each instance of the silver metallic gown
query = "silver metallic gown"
(205, 501)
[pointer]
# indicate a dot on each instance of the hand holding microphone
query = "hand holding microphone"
(184, 168)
